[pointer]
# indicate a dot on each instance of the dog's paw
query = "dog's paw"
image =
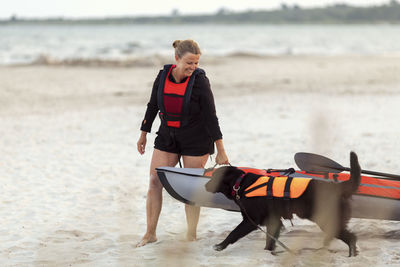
(274, 253)
(353, 248)
(353, 252)
(219, 247)
(270, 247)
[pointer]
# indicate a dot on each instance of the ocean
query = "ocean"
(26, 44)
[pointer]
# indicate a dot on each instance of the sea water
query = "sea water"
(24, 44)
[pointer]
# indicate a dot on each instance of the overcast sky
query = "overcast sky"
(102, 8)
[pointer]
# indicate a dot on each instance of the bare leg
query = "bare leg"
(193, 212)
(192, 219)
(154, 194)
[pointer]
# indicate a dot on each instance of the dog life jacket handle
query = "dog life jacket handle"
(285, 171)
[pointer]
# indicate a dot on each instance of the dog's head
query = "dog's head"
(223, 179)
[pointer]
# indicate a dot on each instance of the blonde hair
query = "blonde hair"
(185, 46)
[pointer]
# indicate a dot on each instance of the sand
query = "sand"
(73, 187)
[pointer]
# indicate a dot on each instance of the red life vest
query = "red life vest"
(174, 98)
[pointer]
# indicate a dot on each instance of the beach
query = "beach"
(73, 186)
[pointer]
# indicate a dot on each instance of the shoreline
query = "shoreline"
(159, 60)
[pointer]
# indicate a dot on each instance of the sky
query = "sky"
(105, 8)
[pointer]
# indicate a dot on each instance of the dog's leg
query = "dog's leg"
(327, 240)
(350, 239)
(274, 225)
(330, 228)
(343, 234)
(244, 228)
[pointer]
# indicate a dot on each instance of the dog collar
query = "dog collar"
(236, 187)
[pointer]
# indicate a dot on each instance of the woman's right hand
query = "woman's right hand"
(141, 144)
(221, 158)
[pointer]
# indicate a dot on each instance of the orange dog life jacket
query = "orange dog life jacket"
(279, 186)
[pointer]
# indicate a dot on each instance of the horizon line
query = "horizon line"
(171, 13)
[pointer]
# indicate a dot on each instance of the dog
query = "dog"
(324, 202)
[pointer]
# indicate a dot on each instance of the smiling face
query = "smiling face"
(187, 64)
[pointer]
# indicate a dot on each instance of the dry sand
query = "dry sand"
(73, 187)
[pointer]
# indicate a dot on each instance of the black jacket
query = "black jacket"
(202, 112)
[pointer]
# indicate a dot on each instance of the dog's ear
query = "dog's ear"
(227, 173)
(222, 178)
(216, 179)
(232, 171)
(220, 172)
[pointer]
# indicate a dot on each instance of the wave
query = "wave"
(143, 61)
(47, 60)
(245, 54)
(154, 60)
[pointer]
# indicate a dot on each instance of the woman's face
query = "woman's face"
(188, 63)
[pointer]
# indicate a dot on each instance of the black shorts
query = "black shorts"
(189, 142)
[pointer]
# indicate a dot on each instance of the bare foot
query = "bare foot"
(191, 236)
(146, 239)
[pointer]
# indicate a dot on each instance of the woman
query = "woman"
(189, 128)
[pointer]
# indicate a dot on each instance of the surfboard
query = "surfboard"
(187, 185)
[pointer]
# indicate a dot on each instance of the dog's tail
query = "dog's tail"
(350, 187)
